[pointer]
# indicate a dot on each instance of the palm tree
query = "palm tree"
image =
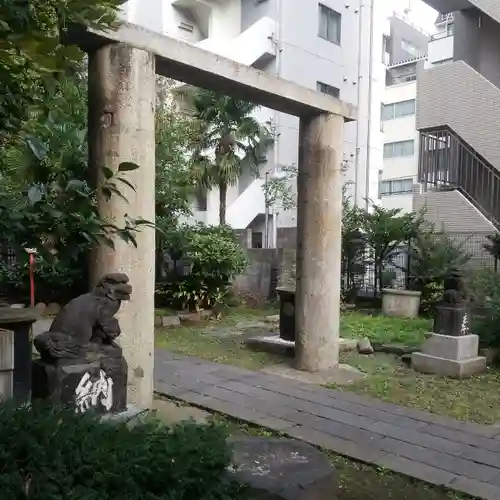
(231, 142)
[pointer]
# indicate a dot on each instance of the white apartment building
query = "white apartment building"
(400, 146)
(330, 45)
(406, 55)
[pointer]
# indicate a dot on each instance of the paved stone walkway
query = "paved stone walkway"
(461, 456)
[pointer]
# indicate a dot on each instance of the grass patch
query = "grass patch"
(199, 340)
(476, 399)
(358, 481)
(384, 329)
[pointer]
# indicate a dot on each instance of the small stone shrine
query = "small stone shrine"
(451, 350)
(80, 363)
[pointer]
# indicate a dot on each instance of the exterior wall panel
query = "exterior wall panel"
(457, 96)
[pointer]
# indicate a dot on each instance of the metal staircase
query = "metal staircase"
(447, 162)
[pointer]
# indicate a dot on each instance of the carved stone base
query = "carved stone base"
(100, 385)
(449, 356)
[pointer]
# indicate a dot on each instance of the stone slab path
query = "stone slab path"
(458, 455)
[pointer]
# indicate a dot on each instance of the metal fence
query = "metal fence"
(397, 273)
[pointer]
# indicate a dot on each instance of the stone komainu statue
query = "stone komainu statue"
(454, 290)
(87, 323)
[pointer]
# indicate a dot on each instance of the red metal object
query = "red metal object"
(32, 252)
(32, 279)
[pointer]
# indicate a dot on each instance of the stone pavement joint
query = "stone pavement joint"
(458, 455)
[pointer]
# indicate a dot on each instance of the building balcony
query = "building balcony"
(255, 46)
(440, 48)
(247, 206)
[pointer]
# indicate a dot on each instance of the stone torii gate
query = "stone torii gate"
(122, 68)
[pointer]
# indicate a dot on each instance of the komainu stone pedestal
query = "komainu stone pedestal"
(80, 363)
(449, 356)
(99, 386)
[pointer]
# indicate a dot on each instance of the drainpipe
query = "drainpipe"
(277, 120)
(358, 149)
(370, 94)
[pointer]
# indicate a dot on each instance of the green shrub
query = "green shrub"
(433, 257)
(55, 281)
(215, 258)
(484, 290)
(54, 454)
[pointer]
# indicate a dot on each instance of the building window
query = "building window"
(399, 149)
(396, 186)
(398, 109)
(330, 23)
(409, 47)
(324, 88)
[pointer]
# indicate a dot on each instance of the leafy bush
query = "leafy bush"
(55, 280)
(484, 290)
(214, 257)
(54, 454)
(493, 247)
(433, 257)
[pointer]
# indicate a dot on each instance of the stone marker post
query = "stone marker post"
(122, 129)
(319, 220)
(452, 350)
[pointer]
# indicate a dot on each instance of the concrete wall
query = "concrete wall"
(453, 211)
(400, 31)
(489, 7)
(477, 42)
(457, 96)
(307, 59)
(267, 269)
(252, 11)
(467, 227)
(286, 237)
(259, 278)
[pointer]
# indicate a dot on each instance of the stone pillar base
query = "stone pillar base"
(449, 356)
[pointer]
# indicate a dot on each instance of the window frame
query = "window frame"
(393, 147)
(387, 186)
(393, 106)
(324, 87)
(327, 14)
(409, 47)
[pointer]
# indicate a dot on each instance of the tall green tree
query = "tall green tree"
(230, 142)
(176, 132)
(32, 55)
(385, 232)
(176, 186)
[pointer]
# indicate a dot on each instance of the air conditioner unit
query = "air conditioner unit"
(186, 26)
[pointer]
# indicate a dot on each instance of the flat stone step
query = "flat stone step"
(283, 469)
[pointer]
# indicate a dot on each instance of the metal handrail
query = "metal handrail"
(447, 161)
